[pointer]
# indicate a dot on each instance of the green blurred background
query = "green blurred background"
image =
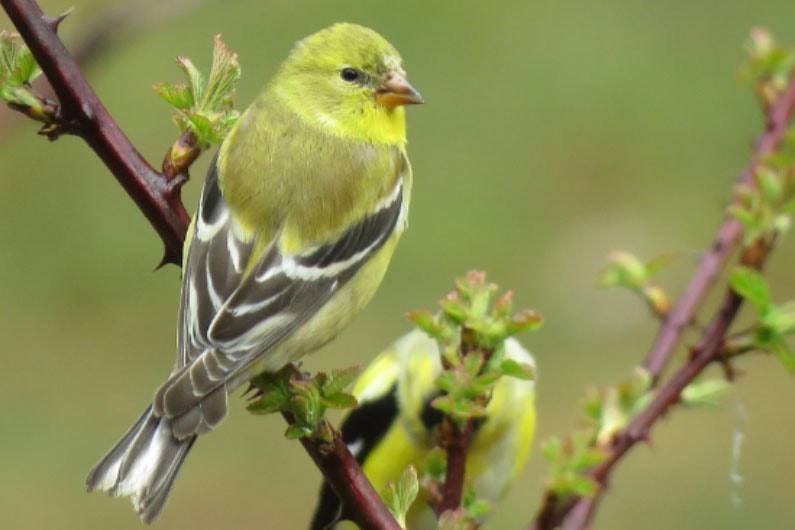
(554, 132)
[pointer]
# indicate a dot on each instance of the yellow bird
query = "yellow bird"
(298, 219)
(395, 426)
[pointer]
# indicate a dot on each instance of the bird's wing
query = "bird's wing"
(233, 312)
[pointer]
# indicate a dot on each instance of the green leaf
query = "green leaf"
(205, 105)
(444, 403)
(769, 65)
(770, 184)
(636, 386)
(473, 362)
(306, 398)
(744, 215)
(339, 400)
(426, 321)
(201, 125)
(225, 73)
(781, 350)
(779, 319)
(764, 336)
(341, 379)
(472, 504)
(486, 381)
(658, 263)
(435, 464)
(195, 79)
(18, 69)
(588, 459)
(401, 495)
(614, 416)
(27, 69)
(584, 486)
(552, 449)
(223, 123)
(275, 392)
(624, 270)
(751, 285)
(503, 307)
(178, 96)
(471, 330)
(518, 370)
(296, 431)
(489, 331)
(706, 392)
(479, 508)
(446, 381)
(269, 403)
(524, 321)
(454, 309)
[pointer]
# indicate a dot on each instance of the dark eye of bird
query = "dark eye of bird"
(350, 74)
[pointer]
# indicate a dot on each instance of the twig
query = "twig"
(704, 353)
(106, 30)
(576, 513)
(707, 350)
(682, 314)
(360, 502)
(456, 444)
(158, 198)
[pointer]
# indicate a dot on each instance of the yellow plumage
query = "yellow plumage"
(299, 216)
(394, 426)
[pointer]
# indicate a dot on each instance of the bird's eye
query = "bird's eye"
(350, 74)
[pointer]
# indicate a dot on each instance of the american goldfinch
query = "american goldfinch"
(395, 426)
(298, 218)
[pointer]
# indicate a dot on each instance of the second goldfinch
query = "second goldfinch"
(395, 426)
(298, 218)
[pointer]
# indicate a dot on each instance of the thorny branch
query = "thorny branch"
(82, 113)
(576, 513)
(778, 117)
(359, 500)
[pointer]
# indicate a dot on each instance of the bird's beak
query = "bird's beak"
(395, 90)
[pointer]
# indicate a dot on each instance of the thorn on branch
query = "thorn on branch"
(82, 113)
(171, 255)
(729, 371)
(54, 22)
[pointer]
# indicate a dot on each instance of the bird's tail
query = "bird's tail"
(142, 465)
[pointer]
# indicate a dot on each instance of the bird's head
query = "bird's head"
(350, 80)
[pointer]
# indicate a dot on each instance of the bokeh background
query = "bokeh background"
(554, 132)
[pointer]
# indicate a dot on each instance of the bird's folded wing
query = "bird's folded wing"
(230, 316)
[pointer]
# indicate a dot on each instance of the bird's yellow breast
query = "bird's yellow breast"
(281, 174)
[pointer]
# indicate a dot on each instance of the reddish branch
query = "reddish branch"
(778, 117)
(456, 444)
(107, 28)
(84, 115)
(577, 513)
(360, 502)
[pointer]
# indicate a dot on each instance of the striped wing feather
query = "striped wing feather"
(231, 316)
